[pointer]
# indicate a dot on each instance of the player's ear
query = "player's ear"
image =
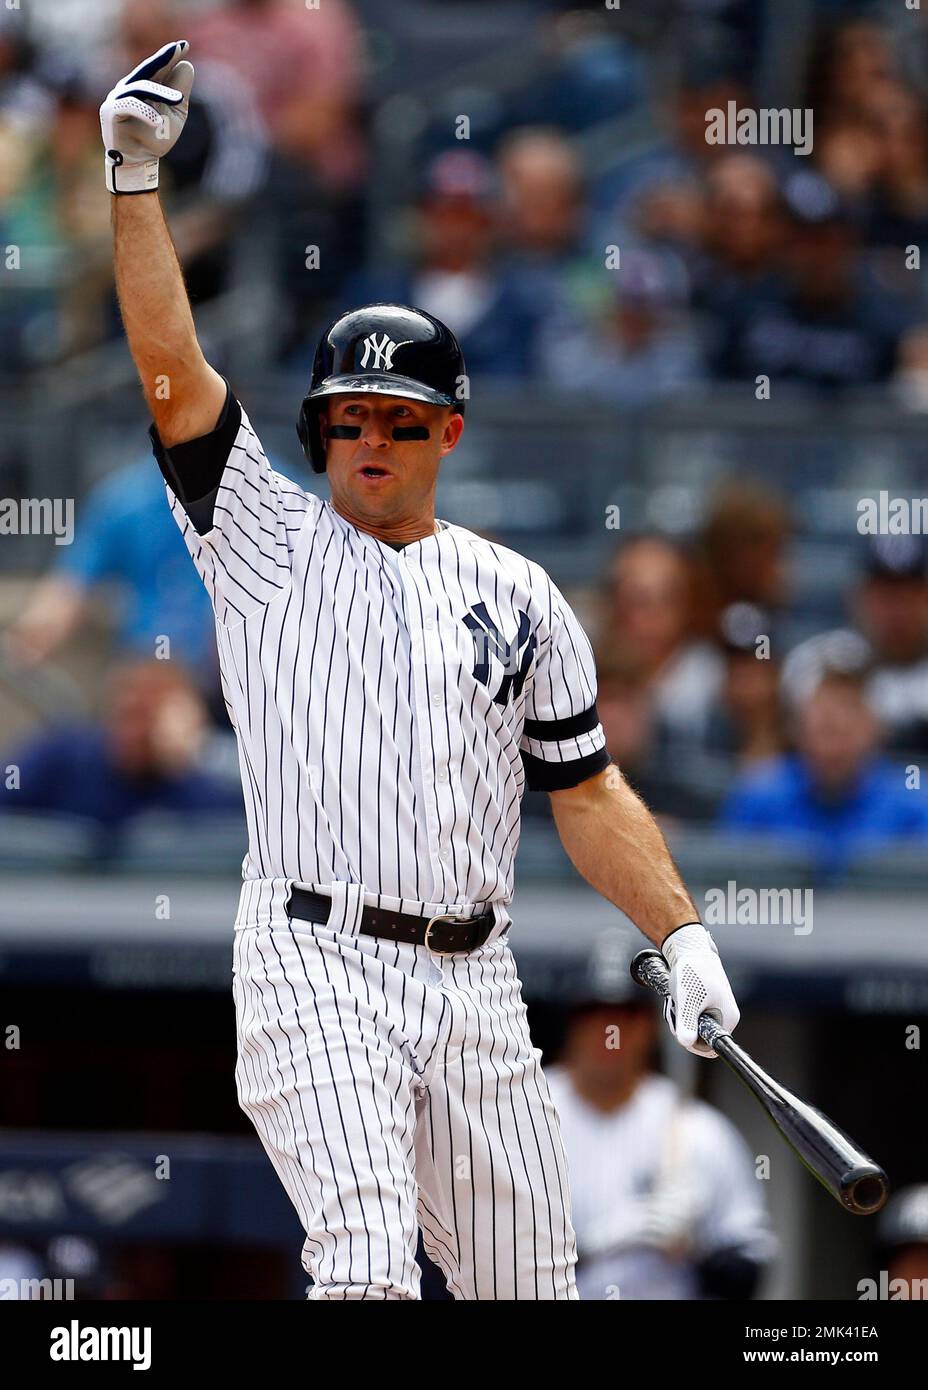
(454, 428)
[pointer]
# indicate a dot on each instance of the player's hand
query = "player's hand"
(664, 1220)
(698, 985)
(142, 118)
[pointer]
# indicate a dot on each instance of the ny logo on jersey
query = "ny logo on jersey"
(490, 641)
(383, 352)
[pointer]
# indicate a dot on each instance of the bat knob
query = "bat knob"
(643, 966)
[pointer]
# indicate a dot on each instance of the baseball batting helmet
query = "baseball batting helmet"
(388, 348)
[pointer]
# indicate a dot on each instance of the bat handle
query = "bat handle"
(650, 970)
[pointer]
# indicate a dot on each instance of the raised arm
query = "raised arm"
(184, 393)
(141, 119)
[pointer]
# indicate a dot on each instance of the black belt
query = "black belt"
(439, 934)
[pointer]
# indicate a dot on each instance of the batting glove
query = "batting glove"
(663, 1220)
(136, 131)
(698, 985)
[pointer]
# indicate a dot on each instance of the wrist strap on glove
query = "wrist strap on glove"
(692, 936)
(130, 178)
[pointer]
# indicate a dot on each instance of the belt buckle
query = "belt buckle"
(440, 917)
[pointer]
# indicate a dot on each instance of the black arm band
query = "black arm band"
(570, 727)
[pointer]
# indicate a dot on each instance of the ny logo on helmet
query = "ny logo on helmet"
(383, 351)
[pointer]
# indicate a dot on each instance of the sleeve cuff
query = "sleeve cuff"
(545, 776)
(193, 470)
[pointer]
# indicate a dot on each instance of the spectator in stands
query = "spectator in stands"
(742, 236)
(496, 311)
(81, 225)
(142, 755)
(847, 154)
(540, 219)
(900, 213)
(648, 622)
(47, 134)
(636, 347)
(673, 787)
(304, 65)
(658, 196)
(541, 195)
(741, 553)
(850, 66)
(125, 538)
(835, 795)
(24, 102)
(665, 1201)
(214, 173)
(748, 724)
(54, 205)
(830, 324)
(888, 642)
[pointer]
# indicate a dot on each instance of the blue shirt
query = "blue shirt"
(69, 772)
(779, 797)
(126, 533)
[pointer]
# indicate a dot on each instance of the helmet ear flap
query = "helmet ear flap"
(307, 429)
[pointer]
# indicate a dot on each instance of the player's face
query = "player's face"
(610, 1043)
(380, 480)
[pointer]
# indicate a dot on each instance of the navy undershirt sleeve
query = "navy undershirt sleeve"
(194, 469)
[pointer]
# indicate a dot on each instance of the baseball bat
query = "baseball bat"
(859, 1184)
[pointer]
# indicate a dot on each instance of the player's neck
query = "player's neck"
(399, 532)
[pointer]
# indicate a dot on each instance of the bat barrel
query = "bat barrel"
(850, 1175)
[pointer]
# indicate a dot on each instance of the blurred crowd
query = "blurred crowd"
(819, 746)
(619, 269)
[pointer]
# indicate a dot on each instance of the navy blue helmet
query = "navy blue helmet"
(389, 348)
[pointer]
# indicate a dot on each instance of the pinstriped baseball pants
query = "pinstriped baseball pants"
(393, 1090)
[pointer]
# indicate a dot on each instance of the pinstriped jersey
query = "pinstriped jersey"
(390, 705)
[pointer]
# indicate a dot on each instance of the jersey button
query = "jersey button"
(429, 624)
(437, 698)
(442, 774)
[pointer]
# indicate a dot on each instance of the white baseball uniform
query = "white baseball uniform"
(390, 705)
(659, 1147)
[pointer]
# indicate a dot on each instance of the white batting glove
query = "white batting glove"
(136, 130)
(659, 1220)
(698, 985)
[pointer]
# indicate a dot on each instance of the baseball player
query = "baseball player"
(666, 1204)
(395, 682)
